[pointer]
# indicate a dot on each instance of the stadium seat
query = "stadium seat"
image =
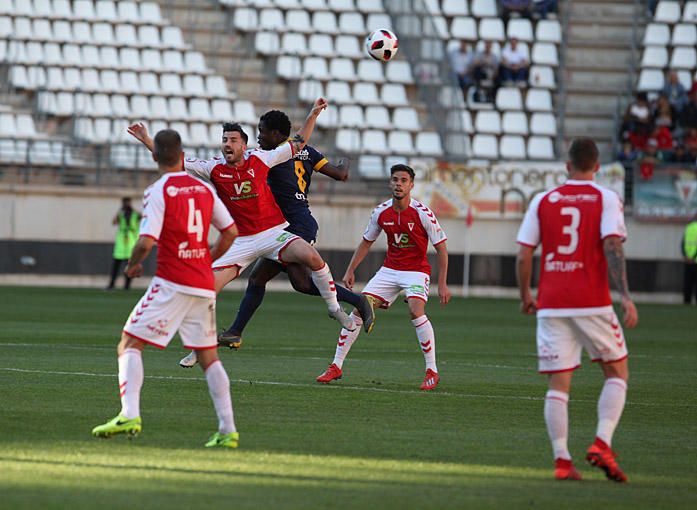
(370, 6)
(41, 30)
(488, 121)
(341, 5)
(352, 23)
(195, 62)
(485, 146)
(34, 53)
(153, 59)
(394, 94)
(685, 79)
(83, 9)
(62, 31)
(512, 147)
(314, 5)
(352, 116)
(149, 12)
(441, 28)
(329, 118)
(244, 112)
(543, 124)
(348, 46)
(109, 79)
(540, 147)
(171, 84)
(667, 12)
(148, 36)
(542, 76)
(400, 142)
(173, 60)
(193, 85)
(399, 71)
(129, 59)
(288, 67)
(101, 106)
(650, 80)
(545, 54)
(246, 19)
(294, 44)
(348, 140)
(54, 78)
(655, 56)
(548, 30)
(371, 70)
(509, 98)
(106, 10)
(684, 34)
(371, 167)
(366, 93)
(491, 29)
(141, 105)
(683, 57)
(128, 11)
(689, 13)
(515, 123)
(216, 86)
(337, 92)
(309, 90)
(221, 110)
(299, 20)
(120, 105)
(41, 9)
(342, 69)
(324, 22)
(315, 67)
(463, 27)
(172, 37)
(538, 100)
(483, 8)
(521, 29)
(86, 80)
(199, 133)
(378, 117)
(656, 34)
(125, 35)
(379, 20)
(455, 8)
(406, 118)
(129, 82)
(52, 54)
(321, 45)
(272, 20)
(200, 109)
(429, 144)
(159, 109)
(374, 142)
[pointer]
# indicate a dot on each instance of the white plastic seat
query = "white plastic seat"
(18, 77)
(172, 37)
(667, 12)
(309, 90)
(141, 105)
(545, 54)
(130, 59)
(370, 6)
(428, 144)
(103, 33)
(194, 85)
(178, 109)
(170, 84)
(294, 44)
(325, 22)
(463, 27)
(374, 142)
(348, 140)
(337, 92)
(521, 29)
(315, 67)
(299, 21)
(488, 121)
(540, 147)
(548, 30)
(366, 93)
(23, 29)
(370, 167)
(394, 94)
(352, 116)
(125, 35)
(352, 23)
(491, 29)
(129, 82)
(348, 46)
(341, 5)
(512, 147)
(245, 19)
(41, 29)
(83, 9)
(482, 8)
(52, 54)
(656, 34)
(689, 13)
(25, 126)
(271, 19)
(87, 80)
(329, 118)
(399, 71)
(460, 120)
(216, 86)
(684, 34)
(538, 100)
(34, 53)
(54, 78)
(485, 146)
(41, 9)
(120, 105)
(342, 69)
(509, 98)
(685, 79)
(370, 70)
(194, 62)
(244, 112)
(650, 80)
(149, 83)
(62, 31)
(148, 36)
(105, 10)
(172, 60)
(267, 43)
(683, 57)
(542, 76)
(82, 32)
(543, 124)
(128, 11)
(321, 45)
(515, 123)
(149, 12)
(221, 109)
(198, 132)
(400, 142)
(379, 20)
(101, 106)
(288, 67)
(378, 117)
(406, 118)
(455, 7)
(159, 109)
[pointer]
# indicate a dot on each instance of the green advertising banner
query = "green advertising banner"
(664, 193)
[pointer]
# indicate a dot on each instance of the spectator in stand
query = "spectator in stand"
(651, 152)
(680, 155)
(515, 7)
(688, 116)
(628, 153)
(663, 138)
(543, 8)
(663, 113)
(485, 68)
(690, 140)
(461, 60)
(514, 64)
(675, 92)
(637, 121)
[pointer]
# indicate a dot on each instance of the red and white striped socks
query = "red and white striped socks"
(557, 420)
(130, 382)
(324, 281)
(427, 340)
(346, 339)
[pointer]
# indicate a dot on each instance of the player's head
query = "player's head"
(274, 129)
(583, 156)
(234, 143)
(167, 150)
(401, 181)
(126, 202)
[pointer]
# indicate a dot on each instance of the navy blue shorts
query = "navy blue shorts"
(304, 226)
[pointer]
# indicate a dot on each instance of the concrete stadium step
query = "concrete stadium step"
(584, 101)
(596, 32)
(605, 9)
(599, 124)
(618, 80)
(583, 56)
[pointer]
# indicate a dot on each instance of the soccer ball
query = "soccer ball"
(382, 45)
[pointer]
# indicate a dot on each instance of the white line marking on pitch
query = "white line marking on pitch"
(334, 387)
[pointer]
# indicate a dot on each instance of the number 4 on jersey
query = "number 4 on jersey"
(195, 221)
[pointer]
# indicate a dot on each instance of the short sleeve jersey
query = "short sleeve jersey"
(290, 181)
(244, 189)
(408, 233)
(571, 222)
(178, 210)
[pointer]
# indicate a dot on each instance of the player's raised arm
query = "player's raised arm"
(140, 133)
(443, 291)
(617, 271)
(340, 172)
(305, 132)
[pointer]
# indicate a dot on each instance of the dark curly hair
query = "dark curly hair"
(276, 120)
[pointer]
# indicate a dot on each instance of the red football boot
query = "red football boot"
(564, 470)
(331, 373)
(430, 381)
(601, 455)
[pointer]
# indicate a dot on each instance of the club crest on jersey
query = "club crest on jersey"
(251, 172)
(411, 225)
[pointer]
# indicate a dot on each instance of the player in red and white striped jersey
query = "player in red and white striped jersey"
(178, 210)
(409, 226)
(581, 228)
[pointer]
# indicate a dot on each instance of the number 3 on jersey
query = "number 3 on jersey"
(195, 221)
(570, 230)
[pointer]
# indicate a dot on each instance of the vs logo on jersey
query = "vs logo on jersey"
(401, 239)
(242, 188)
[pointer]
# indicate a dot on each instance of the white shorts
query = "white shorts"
(246, 249)
(560, 340)
(162, 311)
(388, 283)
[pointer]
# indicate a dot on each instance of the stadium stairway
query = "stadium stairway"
(600, 64)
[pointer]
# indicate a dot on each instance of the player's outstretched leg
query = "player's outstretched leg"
(219, 389)
(343, 346)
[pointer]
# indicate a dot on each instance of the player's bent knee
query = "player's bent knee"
(207, 357)
(616, 369)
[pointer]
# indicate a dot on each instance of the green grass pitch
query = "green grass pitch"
(371, 440)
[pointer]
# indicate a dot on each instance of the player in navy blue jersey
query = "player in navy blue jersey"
(290, 184)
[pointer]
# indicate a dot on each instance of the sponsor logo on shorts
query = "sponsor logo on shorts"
(284, 237)
(416, 289)
(156, 330)
(548, 357)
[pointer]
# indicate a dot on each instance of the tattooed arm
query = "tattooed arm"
(617, 271)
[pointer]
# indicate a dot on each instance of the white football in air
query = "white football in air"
(382, 44)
